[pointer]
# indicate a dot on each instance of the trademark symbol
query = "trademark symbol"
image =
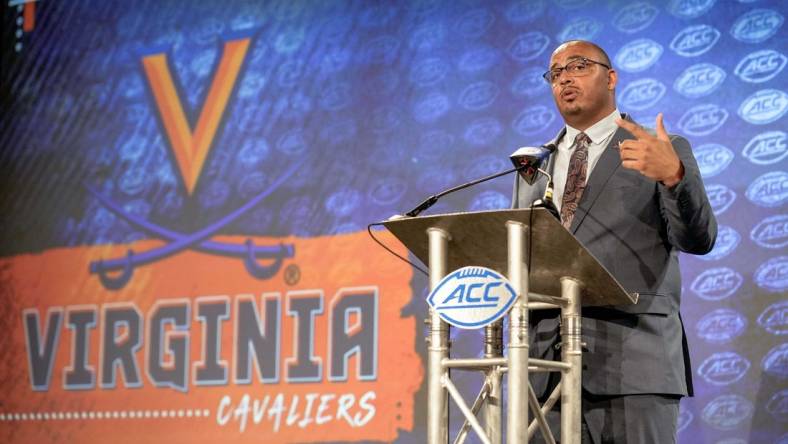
(292, 274)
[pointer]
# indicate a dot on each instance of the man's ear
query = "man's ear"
(612, 79)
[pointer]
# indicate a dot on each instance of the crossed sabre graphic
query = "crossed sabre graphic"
(197, 240)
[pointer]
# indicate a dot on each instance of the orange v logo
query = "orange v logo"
(191, 146)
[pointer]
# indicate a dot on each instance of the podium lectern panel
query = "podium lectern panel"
(560, 268)
(480, 239)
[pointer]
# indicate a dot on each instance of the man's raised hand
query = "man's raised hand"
(652, 156)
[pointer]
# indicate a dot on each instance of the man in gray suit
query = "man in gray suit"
(634, 199)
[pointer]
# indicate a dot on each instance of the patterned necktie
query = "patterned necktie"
(575, 179)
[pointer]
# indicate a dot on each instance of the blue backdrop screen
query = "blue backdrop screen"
(384, 103)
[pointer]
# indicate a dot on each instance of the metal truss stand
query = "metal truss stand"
(562, 275)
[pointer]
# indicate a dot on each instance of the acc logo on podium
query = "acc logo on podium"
(472, 297)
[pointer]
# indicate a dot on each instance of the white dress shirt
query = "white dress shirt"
(599, 133)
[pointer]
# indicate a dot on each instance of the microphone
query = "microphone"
(532, 159)
(430, 201)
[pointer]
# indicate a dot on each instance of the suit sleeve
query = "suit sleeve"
(691, 224)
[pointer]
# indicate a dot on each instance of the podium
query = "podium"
(548, 268)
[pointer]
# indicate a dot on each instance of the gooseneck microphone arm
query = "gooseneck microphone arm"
(430, 201)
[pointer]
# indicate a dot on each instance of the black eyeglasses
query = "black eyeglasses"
(575, 68)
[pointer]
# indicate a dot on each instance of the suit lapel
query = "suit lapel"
(556, 141)
(607, 164)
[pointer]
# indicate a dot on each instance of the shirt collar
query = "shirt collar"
(597, 132)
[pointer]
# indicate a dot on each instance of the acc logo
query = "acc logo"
(775, 318)
(717, 283)
(475, 23)
(524, 11)
(685, 418)
(528, 46)
(687, 9)
(642, 93)
(429, 71)
(723, 368)
(721, 325)
(771, 232)
(478, 59)
(571, 4)
(472, 297)
(336, 97)
(529, 82)
(638, 55)
(384, 119)
(756, 25)
(702, 120)
(482, 131)
(712, 159)
(776, 361)
(380, 50)
(478, 95)
(769, 190)
(429, 36)
(489, 200)
(778, 405)
(694, 40)
(387, 191)
(727, 241)
(484, 166)
(764, 106)
(582, 28)
(767, 148)
(727, 412)
(635, 17)
(772, 275)
(720, 197)
(532, 120)
(431, 107)
(760, 66)
(699, 80)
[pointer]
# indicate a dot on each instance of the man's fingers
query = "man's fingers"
(662, 134)
(633, 128)
(632, 164)
(631, 146)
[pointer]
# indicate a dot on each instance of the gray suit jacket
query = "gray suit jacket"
(635, 227)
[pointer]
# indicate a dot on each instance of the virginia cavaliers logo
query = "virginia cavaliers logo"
(191, 143)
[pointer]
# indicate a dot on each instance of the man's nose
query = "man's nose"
(564, 78)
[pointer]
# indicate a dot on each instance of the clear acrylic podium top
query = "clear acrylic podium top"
(480, 239)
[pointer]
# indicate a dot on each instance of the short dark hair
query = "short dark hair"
(604, 57)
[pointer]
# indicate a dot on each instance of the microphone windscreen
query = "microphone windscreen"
(532, 156)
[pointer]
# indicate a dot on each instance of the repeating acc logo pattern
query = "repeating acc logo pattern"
(769, 190)
(717, 283)
(642, 94)
(774, 318)
(721, 325)
(395, 100)
(727, 241)
(767, 148)
(760, 66)
(635, 17)
(699, 80)
(764, 106)
(771, 232)
(757, 25)
(723, 368)
(702, 120)
(772, 275)
(695, 40)
(727, 412)
(638, 55)
(712, 159)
